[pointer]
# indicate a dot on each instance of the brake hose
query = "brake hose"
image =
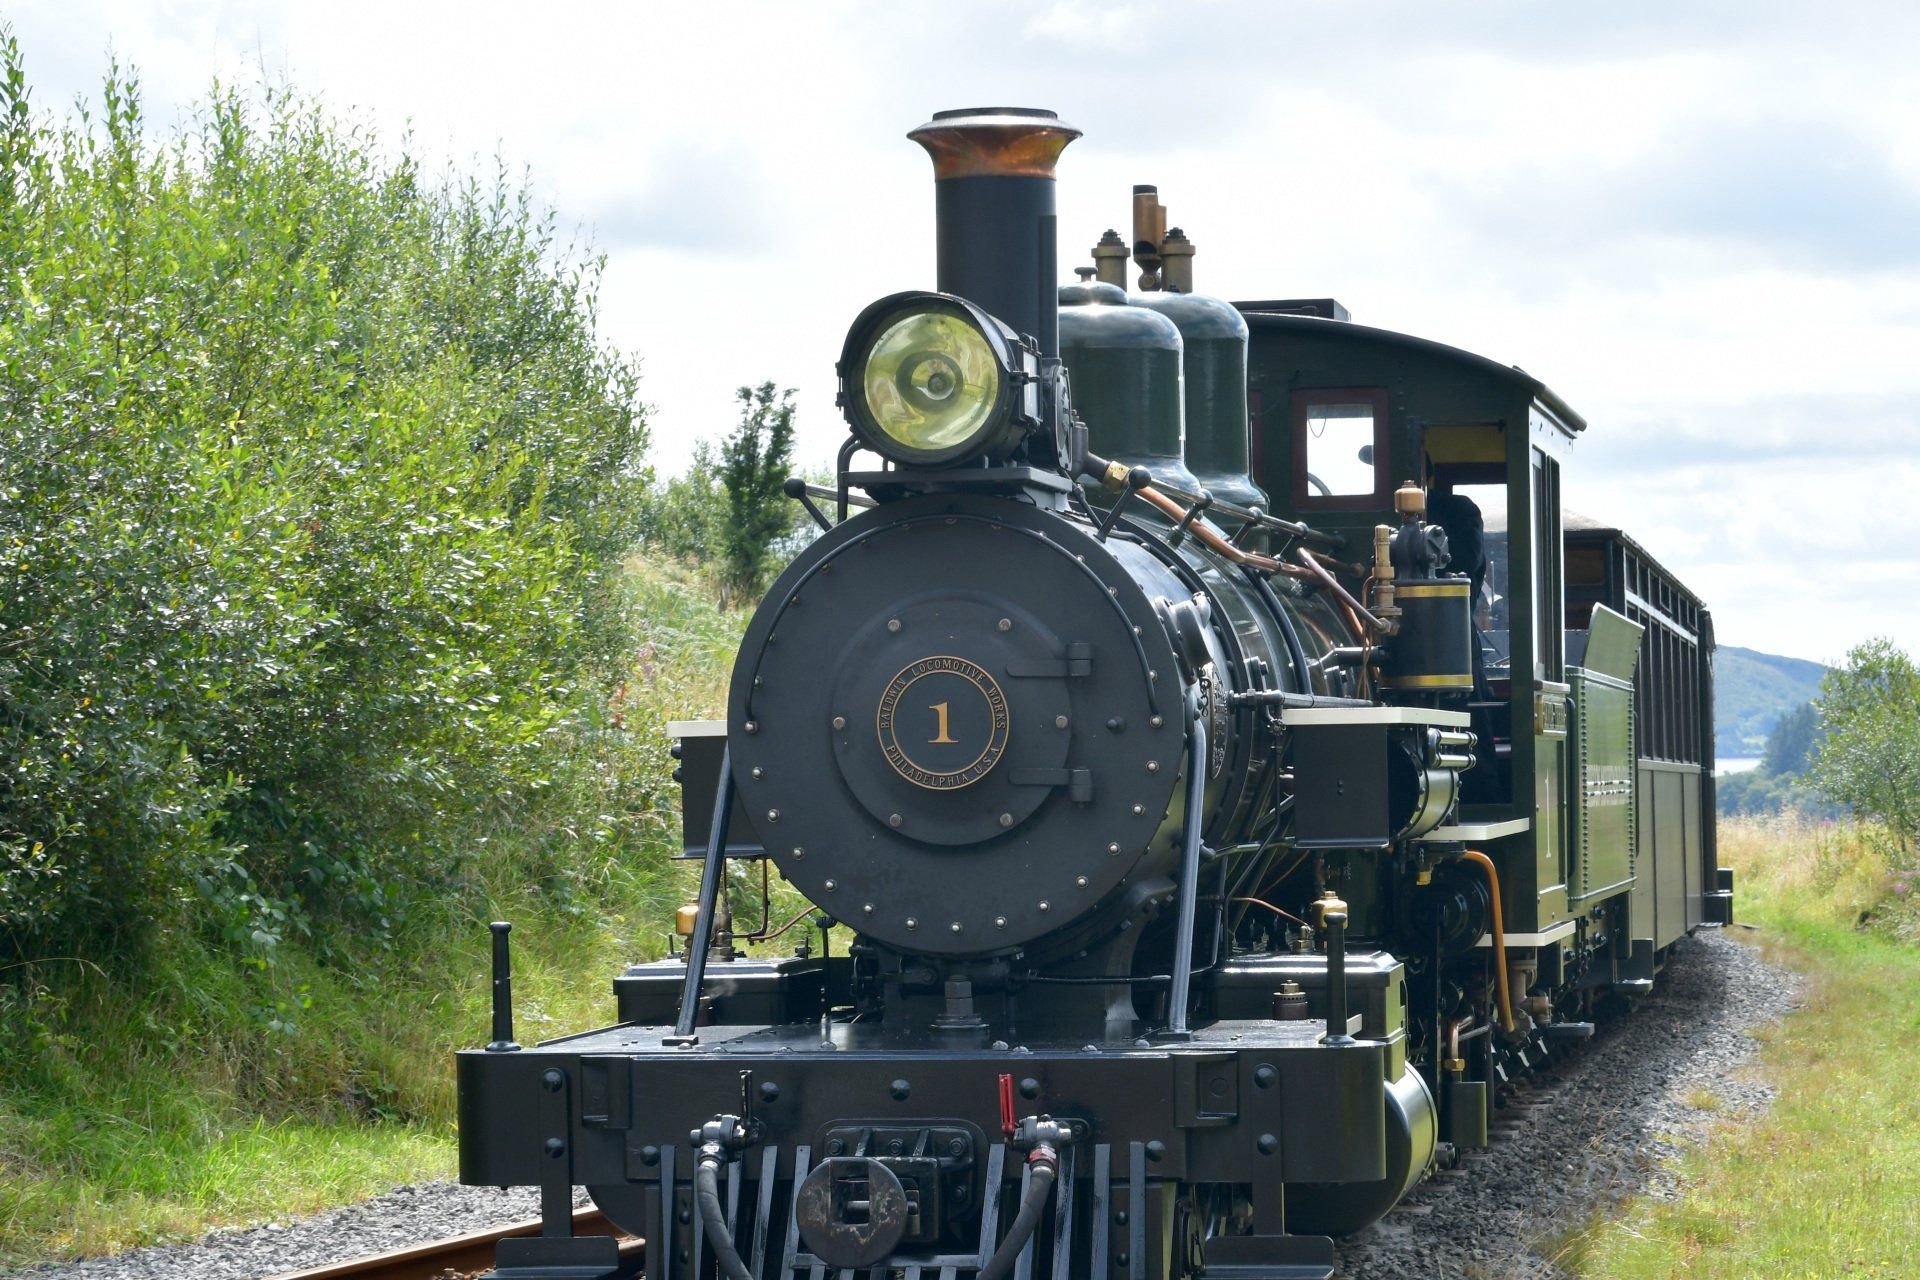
(1033, 1206)
(713, 1215)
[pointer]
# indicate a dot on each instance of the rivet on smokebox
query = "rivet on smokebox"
(1059, 722)
(1006, 624)
(1153, 766)
(1006, 819)
(839, 722)
(758, 772)
(773, 815)
(894, 820)
(1157, 721)
(1139, 809)
(751, 726)
(893, 624)
(1114, 847)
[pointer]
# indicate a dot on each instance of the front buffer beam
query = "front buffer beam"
(1248, 1106)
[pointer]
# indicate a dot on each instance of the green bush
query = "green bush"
(755, 462)
(1870, 757)
(314, 480)
(727, 515)
(685, 515)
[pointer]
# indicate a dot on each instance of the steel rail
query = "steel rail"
(468, 1254)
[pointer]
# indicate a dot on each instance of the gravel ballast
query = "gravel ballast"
(404, 1216)
(1604, 1125)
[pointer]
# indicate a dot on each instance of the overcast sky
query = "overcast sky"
(1699, 223)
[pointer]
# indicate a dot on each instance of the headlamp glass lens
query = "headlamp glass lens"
(931, 381)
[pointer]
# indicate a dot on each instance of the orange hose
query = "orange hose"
(1261, 902)
(1333, 584)
(1206, 533)
(1499, 937)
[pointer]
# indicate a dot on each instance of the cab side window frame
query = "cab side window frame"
(1304, 401)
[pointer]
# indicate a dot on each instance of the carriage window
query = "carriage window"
(1340, 449)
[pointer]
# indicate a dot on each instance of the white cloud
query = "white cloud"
(1690, 220)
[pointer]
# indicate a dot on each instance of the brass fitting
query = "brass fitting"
(1110, 259)
(1326, 902)
(684, 918)
(1382, 603)
(1176, 262)
(1115, 476)
(1149, 229)
(1410, 500)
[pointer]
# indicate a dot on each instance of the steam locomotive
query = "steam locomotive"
(1218, 765)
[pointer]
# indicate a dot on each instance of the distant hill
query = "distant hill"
(1751, 691)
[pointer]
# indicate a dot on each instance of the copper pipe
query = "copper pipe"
(1260, 902)
(1333, 584)
(1499, 937)
(769, 937)
(1216, 540)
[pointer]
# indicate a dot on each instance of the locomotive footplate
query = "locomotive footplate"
(911, 1129)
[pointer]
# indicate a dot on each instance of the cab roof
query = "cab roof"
(1263, 317)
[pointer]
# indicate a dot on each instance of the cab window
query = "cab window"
(1340, 449)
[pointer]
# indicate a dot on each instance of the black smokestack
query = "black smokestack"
(993, 202)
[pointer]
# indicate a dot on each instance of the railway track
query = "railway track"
(461, 1256)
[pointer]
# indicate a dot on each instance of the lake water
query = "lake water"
(1735, 764)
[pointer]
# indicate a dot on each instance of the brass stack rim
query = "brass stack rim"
(994, 142)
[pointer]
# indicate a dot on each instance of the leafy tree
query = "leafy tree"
(314, 482)
(1790, 746)
(1758, 791)
(755, 462)
(1870, 757)
(686, 515)
(1779, 782)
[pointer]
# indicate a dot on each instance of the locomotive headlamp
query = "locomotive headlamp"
(928, 379)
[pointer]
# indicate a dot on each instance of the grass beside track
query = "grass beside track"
(1827, 1182)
